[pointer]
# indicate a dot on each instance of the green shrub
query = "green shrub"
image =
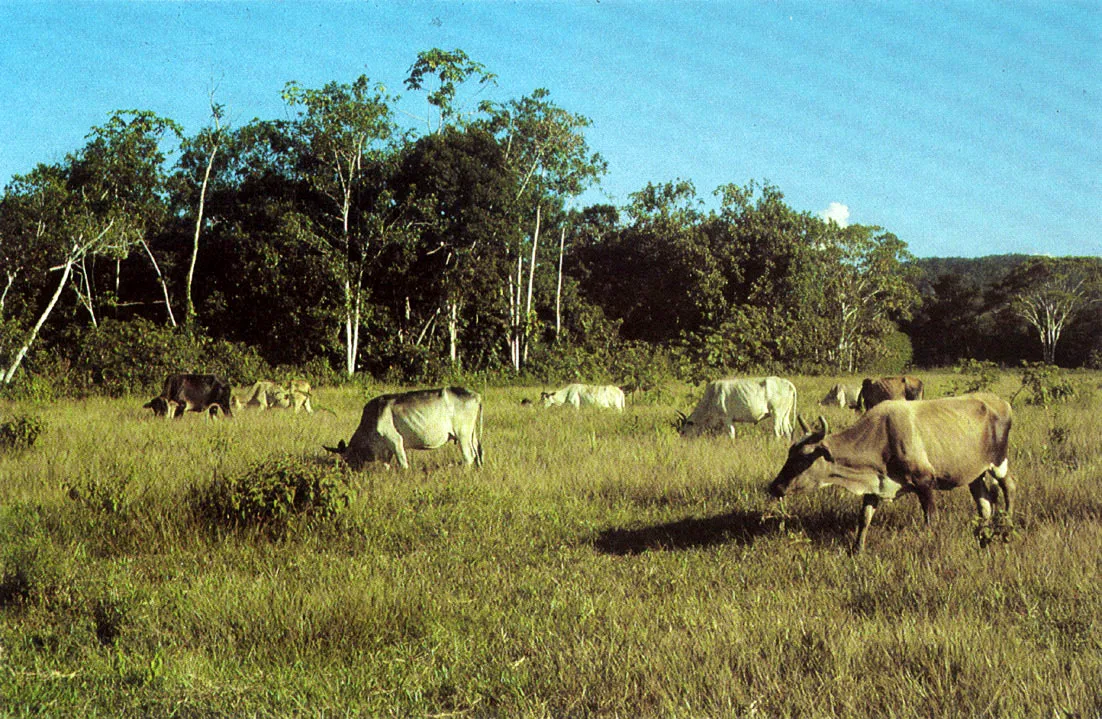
(273, 493)
(20, 432)
(1045, 383)
(975, 376)
(118, 358)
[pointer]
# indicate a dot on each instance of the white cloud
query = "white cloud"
(837, 212)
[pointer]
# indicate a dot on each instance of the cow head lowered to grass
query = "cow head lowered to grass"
(899, 447)
(423, 419)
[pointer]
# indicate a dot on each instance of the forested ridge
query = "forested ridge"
(339, 242)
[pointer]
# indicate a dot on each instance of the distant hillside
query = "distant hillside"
(985, 271)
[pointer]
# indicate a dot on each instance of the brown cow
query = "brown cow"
(875, 391)
(899, 447)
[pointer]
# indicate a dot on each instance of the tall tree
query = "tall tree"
(204, 148)
(121, 172)
(344, 131)
(865, 283)
(448, 69)
(1048, 293)
(66, 226)
(546, 147)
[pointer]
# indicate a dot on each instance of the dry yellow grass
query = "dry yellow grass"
(598, 565)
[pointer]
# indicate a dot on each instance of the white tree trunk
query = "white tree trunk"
(161, 280)
(558, 286)
(351, 328)
(10, 373)
(195, 238)
(531, 282)
(453, 332)
(4, 295)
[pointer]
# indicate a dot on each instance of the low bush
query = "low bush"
(20, 432)
(975, 376)
(1045, 384)
(273, 494)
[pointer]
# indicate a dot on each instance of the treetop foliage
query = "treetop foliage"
(339, 238)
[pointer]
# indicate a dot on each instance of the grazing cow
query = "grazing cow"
(264, 394)
(842, 395)
(424, 419)
(899, 447)
(586, 395)
(301, 392)
(875, 391)
(194, 392)
(727, 401)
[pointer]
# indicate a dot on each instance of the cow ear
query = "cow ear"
(825, 453)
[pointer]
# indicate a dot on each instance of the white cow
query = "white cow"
(264, 394)
(727, 401)
(424, 419)
(842, 395)
(586, 395)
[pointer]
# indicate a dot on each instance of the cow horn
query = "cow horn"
(339, 449)
(826, 427)
(803, 424)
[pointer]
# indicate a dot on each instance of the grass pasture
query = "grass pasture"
(598, 565)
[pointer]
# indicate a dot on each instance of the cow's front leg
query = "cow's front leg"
(1006, 484)
(397, 448)
(926, 500)
(864, 519)
(981, 493)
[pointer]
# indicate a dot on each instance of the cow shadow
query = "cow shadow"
(740, 527)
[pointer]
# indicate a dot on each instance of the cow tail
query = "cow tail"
(478, 449)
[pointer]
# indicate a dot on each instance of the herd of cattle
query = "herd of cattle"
(901, 444)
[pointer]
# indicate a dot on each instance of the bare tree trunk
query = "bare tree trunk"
(10, 373)
(558, 286)
(531, 282)
(216, 144)
(351, 329)
(4, 295)
(514, 313)
(161, 280)
(453, 332)
(83, 287)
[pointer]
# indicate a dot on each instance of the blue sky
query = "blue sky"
(966, 128)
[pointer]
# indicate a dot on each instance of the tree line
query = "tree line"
(340, 240)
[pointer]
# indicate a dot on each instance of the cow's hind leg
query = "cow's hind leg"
(864, 519)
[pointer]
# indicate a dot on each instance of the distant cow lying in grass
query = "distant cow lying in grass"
(194, 393)
(842, 395)
(424, 419)
(265, 394)
(585, 395)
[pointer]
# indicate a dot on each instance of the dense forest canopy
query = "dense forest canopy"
(337, 241)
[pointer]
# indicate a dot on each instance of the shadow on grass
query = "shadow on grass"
(737, 527)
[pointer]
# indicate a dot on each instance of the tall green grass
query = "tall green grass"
(598, 565)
